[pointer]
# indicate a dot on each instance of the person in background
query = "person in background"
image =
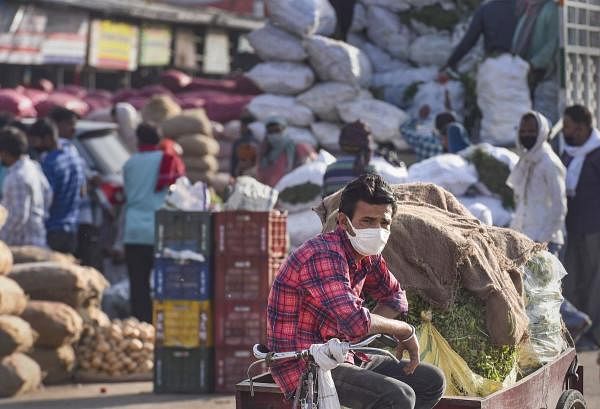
(147, 175)
(344, 12)
(65, 174)
(536, 40)
(420, 137)
(245, 150)
(453, 135)
(127, 119)
(356, 142)
(581, 156)
(279, 154)
(26, 193)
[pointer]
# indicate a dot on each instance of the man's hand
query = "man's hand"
(412, 347)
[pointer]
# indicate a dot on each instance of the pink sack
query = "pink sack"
(59, 99)
(175, 80)
(74, 90)
(16, 103)
(152, 90)
(124, 94)
(205, 84)
(35, 95)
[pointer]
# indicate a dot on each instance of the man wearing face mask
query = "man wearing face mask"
(279, 154)
(581, 155)
(318, 295)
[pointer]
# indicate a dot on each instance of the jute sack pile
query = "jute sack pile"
(34, 254)
(160, 108)
(57, 364)
(18, 374)
(57, 324)
(12, 297)
(16, 335)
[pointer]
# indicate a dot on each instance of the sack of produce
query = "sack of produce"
(387, 32)
(404, 77)
(265, 106)
(6, 259)
(56, 323)
(431, 49)
(390, 173)
(16, 103)
(323, 99)
(250, 195)
(205, 163)
(381, 61)
(57, 364)
(94, 316)
(160, 108)
(71, 284)
(302, 226)
(193, 121)
(302, 135)
(303, 17)
(12, 297)
(64, 100)
(284, 78)
(394, 5)
(327, 134)
(338, 61)
(123, 348)
(18, 374)
(16, 335)
(272, 43)
(175, 80)
(433, 94)
(500, 215)
(371, 111)
(449, 171)
(198, 145)
(34, 254)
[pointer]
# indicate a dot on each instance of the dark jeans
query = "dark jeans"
(382, 384)
(62, 241)
(89, 248)
(140, 259)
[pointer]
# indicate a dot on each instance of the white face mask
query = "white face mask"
(368, 242)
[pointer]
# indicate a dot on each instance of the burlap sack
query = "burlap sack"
(18, 374)
(6, 259)
(12, 297)
(198, 145)
(56, 323)
(160, 108)
(34, 254)
(71, 284)
(57, 365)
(16, 335)
(207, 163)
(437, 246)
(192, 121)
(94, 316)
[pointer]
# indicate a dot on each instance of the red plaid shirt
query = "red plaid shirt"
(316, 296)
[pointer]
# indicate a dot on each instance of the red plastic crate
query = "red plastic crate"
(245, 279)
(240, 325)
(231, 365)
(250, 234)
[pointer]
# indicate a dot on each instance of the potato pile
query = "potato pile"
(122, 348)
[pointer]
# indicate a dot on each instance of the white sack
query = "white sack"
(250, 195)
(303, 17)
(503, 97)
(267, 105)
(404, 77)
(323, 98)
(272, 43)
(285, 78)
(381, 61)
(328, 135)
(500, 216)
(387, 32)
(302, 135)
(302, 227)
(449, 171)
(359, 18)
(259, 130)
(481, 212)
(338, 61)
(392, 5)
(390, 173)
(502, 154)
(421, 28)
(433, 94)
(431, 49)
(382, 118)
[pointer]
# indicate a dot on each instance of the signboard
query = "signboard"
(155, 46)
(216, 52)
(185, 50)
(66, 36)
(113, 45)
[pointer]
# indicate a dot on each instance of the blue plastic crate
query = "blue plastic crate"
(182, 280)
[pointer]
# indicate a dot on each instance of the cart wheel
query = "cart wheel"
(571, 399)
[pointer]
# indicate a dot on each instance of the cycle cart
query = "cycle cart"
(556, 385)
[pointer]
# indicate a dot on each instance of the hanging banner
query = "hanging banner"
(155, 46)
(66, 37)
(216, 52)
(186, 55)
(113, 45)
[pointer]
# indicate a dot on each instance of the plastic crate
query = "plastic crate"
(180, 370)
(182, 280)
(231, 365)
(185, 324)
(248, 234)
(179, 230)
(246, 279)
(240, 325)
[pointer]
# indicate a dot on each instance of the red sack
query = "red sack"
(16, 103)
(44, 85)
(35, 95)
(205, 84)
(101, 93)
(152, 90)
(74, 90)
(124, 94)
(96, 102)
(245, 86)
(223, 108)
(175, 80)
(138, 101)
(191, 102)
(59, 99)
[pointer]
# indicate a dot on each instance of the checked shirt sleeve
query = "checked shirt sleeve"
(17, 200)
(329, 284)
(384, 288)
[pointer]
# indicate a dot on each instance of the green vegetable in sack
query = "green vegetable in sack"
(303, 193)
(493, 173)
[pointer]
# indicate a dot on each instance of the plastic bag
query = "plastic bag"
(264, 106)
(185, 196)
(323, 98)
(284, 78)
(449, 171)
(387, 31)
(272, 43)
(303, 17)
(251, 195)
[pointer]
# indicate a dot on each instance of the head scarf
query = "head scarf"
(356, 139)
(274, 147)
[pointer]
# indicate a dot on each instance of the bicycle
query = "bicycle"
(306, 395)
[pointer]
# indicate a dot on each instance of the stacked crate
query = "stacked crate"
(183, 309)
(249, 249)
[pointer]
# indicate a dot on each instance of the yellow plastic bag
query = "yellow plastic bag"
(460, 379)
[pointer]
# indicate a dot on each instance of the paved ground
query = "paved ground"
(139, 395)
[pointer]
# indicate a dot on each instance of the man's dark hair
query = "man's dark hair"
(13, 141)
(148, 134)
(443, 120)
(369, 188)
(44, 127)
(61, 114)
(580, 115)
(6, 118)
